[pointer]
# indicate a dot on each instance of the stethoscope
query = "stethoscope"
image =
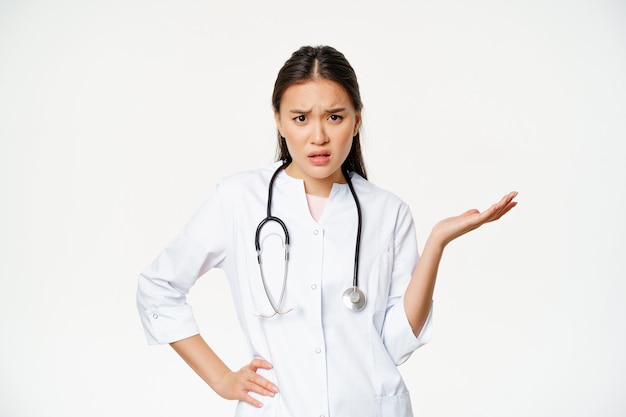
(353, 298)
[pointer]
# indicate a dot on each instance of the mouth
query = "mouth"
(319, 154)
(319, 157)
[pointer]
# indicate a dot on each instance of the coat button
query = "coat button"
(316, 232)
(155, 316)
(314, 286)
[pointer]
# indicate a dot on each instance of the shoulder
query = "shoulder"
(247, 182)
(233, 195)
(251, 177)
(370, 193)
(389, 213)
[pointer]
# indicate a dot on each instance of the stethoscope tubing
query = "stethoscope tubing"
(353, 297)
(355, 277)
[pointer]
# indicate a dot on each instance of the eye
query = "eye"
(300, 119)
(335, 118)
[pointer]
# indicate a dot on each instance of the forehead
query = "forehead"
(316, 93)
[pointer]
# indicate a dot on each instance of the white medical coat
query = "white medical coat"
(327, 360)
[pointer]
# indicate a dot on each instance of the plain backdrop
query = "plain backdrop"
(117, 118)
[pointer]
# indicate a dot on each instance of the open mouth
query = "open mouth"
(319, 158)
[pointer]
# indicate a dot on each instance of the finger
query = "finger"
(507, 198)
(504, 201)
(251, 400)
(501, 207)
(251, 386)
(489, 215)
(262, 385)
(504, 205)
(506, 209)
(470, 212)
(259, 363)
(494, 209)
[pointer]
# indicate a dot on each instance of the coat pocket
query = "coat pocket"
(394, 406)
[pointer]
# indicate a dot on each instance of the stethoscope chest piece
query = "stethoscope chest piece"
(354, 299)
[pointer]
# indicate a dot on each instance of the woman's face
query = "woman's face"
(318, 121)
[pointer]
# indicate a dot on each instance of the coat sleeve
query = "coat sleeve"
(163, 285)
(398, 336)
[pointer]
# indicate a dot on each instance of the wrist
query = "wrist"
(435, 244)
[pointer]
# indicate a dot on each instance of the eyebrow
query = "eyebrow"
(336, 110)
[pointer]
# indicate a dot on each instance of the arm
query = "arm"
(419, 293)
(226, 383)
(166, 316)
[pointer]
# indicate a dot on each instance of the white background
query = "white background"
(118, 117)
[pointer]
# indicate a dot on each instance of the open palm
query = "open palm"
(449, 229)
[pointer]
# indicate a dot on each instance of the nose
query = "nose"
(319, 134)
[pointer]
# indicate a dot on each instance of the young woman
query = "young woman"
(322, 264)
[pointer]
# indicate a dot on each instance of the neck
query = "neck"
(320, 187)
(316, 189)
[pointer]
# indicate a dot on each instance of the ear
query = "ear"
(278, 124)
(357, 123)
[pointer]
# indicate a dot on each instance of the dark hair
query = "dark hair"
(310, 63)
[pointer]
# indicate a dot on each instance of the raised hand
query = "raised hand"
(238, 385)
(419, 293)
(449, 229)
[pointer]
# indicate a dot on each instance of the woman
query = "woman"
(328, 322)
